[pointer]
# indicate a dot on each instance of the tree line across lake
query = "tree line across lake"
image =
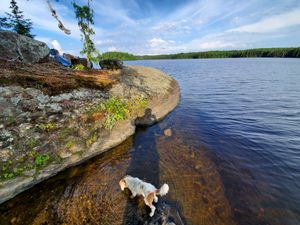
(259, 52)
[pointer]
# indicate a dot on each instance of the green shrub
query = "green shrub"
(8, 175)
(91, 140)
(78, 67)
(40, 160)
(32, 142)
(70, 143)
(136, 104)
(115, 109)
(47, 126)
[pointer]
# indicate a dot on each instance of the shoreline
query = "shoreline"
(163, 93)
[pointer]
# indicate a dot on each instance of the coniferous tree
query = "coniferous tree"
(16, 21)
(4, 23)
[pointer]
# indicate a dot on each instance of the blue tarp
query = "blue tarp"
(60, 58)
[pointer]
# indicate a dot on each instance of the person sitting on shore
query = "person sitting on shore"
(59, 58)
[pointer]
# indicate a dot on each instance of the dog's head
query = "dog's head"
(123, 184)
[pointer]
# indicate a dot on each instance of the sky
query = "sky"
(169, 26)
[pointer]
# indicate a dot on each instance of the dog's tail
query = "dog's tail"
(163, 190)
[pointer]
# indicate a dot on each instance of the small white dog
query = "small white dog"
(148, 191)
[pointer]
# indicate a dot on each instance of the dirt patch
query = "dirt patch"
(52, 78)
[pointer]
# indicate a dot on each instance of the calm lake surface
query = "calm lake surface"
(233, 157)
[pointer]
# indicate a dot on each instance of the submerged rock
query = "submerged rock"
(168, 132)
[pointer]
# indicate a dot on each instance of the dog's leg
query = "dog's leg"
(148, 201)
(155, 199)
(152, 210)
(133, 194)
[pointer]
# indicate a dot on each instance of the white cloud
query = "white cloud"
(112, 49)
(272, 23)
(160, 46)
(236, 20)
(104, 42)
(172, 27)
(157, 42)
(56, 45)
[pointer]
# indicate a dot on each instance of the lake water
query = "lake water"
(233, 157)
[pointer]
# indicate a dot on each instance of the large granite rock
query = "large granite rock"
(162, 91)
(111, 64)
(21, 48)
(61, 124)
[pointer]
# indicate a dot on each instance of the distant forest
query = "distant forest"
(259, 52)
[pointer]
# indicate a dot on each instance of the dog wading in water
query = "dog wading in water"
(147, 190)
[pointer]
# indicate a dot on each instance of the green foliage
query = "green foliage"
(32, 153)
(9, 175)
(16, 21)
(91, 139)
(70, 143)
(118, 55)
(8, 172)
(12, 169)
(4, 23)
(84, 14)
(47, 126)
(64, 133)
(40, 160)
(136, 104)
(11, 119)
(115, 109)
(78, 67)
(260, 52)
(32, 142)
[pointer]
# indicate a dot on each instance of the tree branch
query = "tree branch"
(60, 24)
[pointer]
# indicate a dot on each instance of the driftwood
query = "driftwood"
(60, 24)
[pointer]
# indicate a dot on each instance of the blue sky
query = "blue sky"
(171, 26)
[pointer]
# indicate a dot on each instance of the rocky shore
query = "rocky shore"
(42, 133)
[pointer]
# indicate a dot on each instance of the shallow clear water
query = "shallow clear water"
(233, 157)
(247, 113)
